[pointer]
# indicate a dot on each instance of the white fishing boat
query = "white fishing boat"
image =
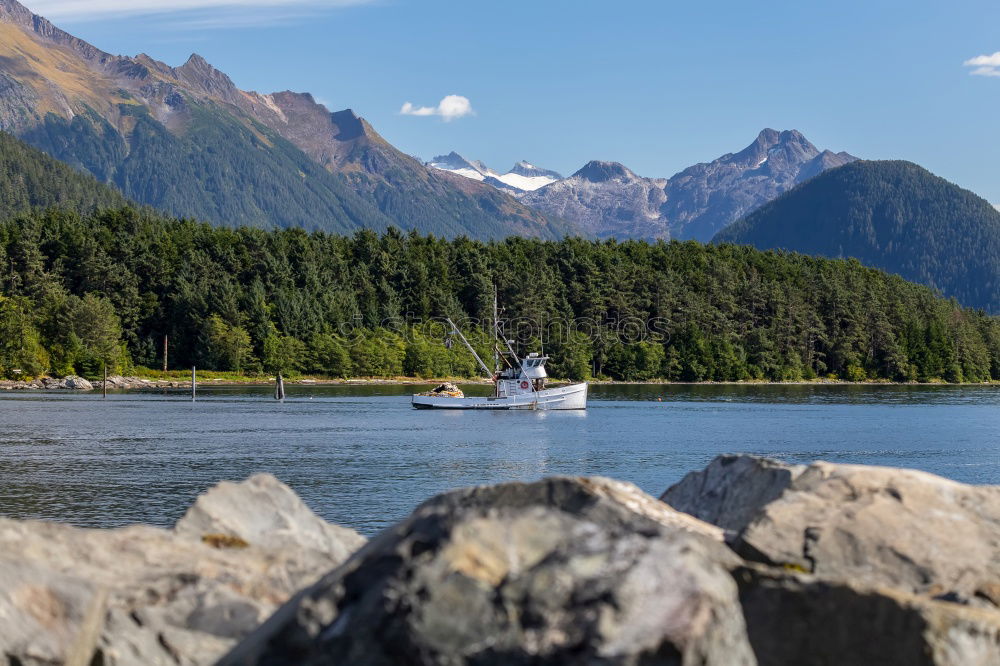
(519, 385)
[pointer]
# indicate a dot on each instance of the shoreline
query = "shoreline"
(118, 383)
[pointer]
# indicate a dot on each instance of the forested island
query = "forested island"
(83, 290)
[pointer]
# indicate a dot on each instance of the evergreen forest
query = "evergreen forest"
(78, 290)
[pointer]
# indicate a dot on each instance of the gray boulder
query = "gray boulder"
(48, 617)
(144, 595)
(731, 490)
(880, 526)
(802, 620)
(909, 530)
(857, 564)
(78, 383)
(562, 571)
(279, 518)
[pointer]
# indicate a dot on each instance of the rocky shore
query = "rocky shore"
(80, 384)
(749, 561)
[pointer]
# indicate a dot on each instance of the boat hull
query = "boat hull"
(573, 396)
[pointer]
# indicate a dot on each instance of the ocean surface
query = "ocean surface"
(361, 456)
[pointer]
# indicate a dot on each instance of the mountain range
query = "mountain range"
(606, 199)
(188, 141)
(191, 143)
(892, 215)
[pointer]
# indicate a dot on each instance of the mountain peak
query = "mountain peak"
(597, 171)
(350, 125)
(10, 7)
(768, 136)
(14, 12)
(451, 161)
(529, 170)
(195, 61)
(198, 72)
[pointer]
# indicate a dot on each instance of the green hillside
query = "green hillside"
(109, 286)
(218, 170)
(30, 179)
(893, 215)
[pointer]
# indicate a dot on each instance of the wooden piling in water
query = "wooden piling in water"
(105, 385)
(279, 388)
(194, 383)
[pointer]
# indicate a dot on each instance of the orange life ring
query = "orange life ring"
(524, 385)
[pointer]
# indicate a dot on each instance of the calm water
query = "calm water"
(360, 456)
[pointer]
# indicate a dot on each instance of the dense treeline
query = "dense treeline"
(30, 179)
(80, 290)
(892, 215)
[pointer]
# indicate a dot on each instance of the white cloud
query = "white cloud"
(985, 65)
(449, 108)
(109, 9)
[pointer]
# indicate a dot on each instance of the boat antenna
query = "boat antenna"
(469, 347)
(541, 334)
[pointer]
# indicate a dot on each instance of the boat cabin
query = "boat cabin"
(530, 377)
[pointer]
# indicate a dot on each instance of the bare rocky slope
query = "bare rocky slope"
(704, 198)
(605, 199)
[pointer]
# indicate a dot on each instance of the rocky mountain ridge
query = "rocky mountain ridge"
(705, 198)
(606, 199)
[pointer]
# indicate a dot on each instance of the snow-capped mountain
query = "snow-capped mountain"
(606, 199)
(527, 177)
(455, 163)
(523, 177)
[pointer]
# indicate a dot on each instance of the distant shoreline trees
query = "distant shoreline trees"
(78, 291)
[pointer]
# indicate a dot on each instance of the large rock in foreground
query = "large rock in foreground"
(144, 595)
(880, 526)
(277, 521)
(860, 564)
(731, 490)
(797, 619)
(562, 571)
(901, 528)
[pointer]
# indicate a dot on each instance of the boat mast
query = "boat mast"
(496, 333)
(469, 347)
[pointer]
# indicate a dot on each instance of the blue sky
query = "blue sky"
(655, 85)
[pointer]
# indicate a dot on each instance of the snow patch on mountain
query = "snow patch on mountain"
(526, 183)
(523, 177)
(455, 163)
